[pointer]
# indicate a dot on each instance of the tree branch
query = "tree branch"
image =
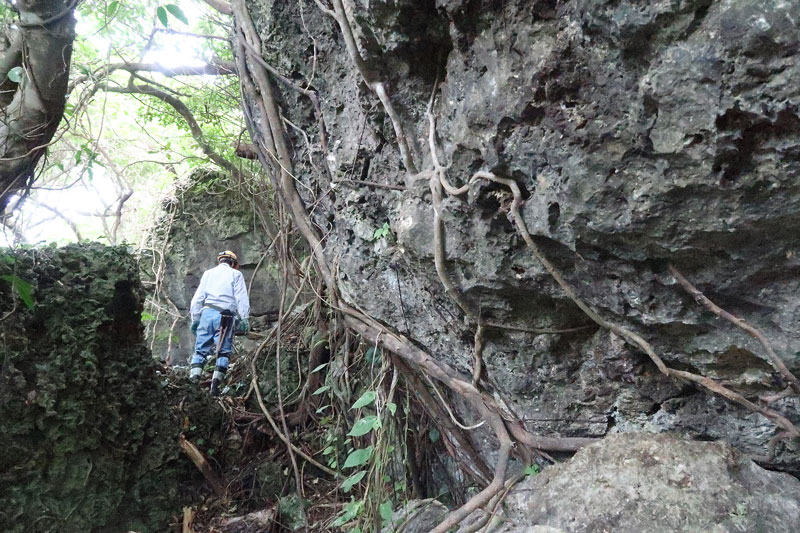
(30, 117)
(62, 216)
(214, 68)
(187, 115)
(190, 34)
(221, 6)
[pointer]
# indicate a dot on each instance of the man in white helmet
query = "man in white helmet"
(221, 296)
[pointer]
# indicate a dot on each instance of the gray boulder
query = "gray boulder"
(657, 483)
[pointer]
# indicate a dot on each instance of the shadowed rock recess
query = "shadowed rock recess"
(641, 133)
(88, 429)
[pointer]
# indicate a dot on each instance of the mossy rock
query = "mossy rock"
(89, 440)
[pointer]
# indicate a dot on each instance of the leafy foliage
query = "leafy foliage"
(114, 144)
(21, 287)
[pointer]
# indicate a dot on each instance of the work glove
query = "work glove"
(195, 324)
(243, 326)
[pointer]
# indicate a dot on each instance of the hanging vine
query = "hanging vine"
(418, 367)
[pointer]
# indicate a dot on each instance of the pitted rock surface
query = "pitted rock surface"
(630, 483)
(642, 134)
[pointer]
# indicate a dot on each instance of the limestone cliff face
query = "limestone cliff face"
(205, 218)
(642, 133)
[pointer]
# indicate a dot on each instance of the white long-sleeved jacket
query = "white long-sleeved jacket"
(222, 287)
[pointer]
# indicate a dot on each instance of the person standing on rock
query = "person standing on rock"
(220, 298)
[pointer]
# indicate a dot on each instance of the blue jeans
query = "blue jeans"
(208, 337)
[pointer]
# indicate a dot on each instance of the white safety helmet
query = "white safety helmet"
(227, 254)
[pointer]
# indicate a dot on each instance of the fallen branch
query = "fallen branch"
(776, 362)
(202, 464)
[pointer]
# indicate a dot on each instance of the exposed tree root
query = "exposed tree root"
(370, 78)
(477, 355)
(461, 448)
(776, 362)
(494, 504)
(266, 129)
(310, 94)
(623, 332)
(483, 497)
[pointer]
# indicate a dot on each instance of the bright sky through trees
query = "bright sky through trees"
(128, 148)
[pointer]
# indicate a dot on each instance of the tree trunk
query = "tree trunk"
(40, 43)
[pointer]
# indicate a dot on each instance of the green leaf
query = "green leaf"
(373, 355)
(364, 426)
(348, 483)
(433, 435)
(177, 13)
(385, 509)
(9, 259)
(350, 511)
(366, 399)
(320, 367)
(15, 74)
(392, 407)
(531, 470)
(148, 317)
(358, 457)
(161, 13)
(113, 7)
(22, 287)
(321, 390)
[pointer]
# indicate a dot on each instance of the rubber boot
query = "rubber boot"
(219, 374)
(214, 387)
(196, 373)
